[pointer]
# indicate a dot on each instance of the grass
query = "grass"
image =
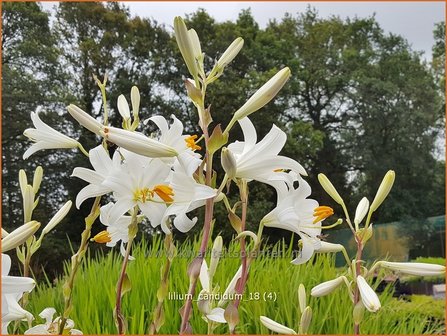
(94, 295)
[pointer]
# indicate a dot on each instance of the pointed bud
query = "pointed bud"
(57, 218)
(384, 190)
(231, 52)
(326, 287)
(326, 247)
(195, 42)
(193, 93)
(37, 180)
(215, 256)
(369, 297)
(302, 297)
(231, 315)
(123, 107)
(361, 211)
(358, 312)
(23, 181)
(135, 100)
(137, 142)
(19, 235)
(264, 95)
(329, 188)
(275, 326)
(306, 318)
(185, 45)
(228, 163)
(421, 269)
(28, 203)
(85, 119)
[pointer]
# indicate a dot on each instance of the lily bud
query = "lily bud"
(28, 203)
(326, 247)
(135, 100)
(329, 188)
(215, 256)
(137, 142)
(123, 107)
(384, 190)
(361, 211)
(326, 287)
(421, 269)
(275, 326)
(231, 52)
(37, 180)
(23, 181)
(264, 95)
(57, 218)
(306, 318)
(302, 297)
(85, 119)
(185, 45)
(228, 163)
(369, 297)
(19, 235)
(195, 42)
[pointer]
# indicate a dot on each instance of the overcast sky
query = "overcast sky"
(413, 20)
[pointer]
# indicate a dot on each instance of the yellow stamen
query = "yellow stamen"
(191, 142)
(322, 212)
(164, 192)
(279, 170)
(102, 237)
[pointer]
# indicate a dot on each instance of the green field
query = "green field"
(94, 296)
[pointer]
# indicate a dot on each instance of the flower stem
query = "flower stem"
(158, 320)
(357, 273)
(243, 189)
(76, 261)
(209, 208)
(120, 321)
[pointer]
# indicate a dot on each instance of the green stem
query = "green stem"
(76, 261)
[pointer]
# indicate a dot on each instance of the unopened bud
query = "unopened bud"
(185, 45)
(57, 218)
(329, 188)
(135, 100)
(264, 95)
(326, 247)
(228, 163)
(302, 297)
(326, 287)
(369, 297)
(306, 318)
(85, 119)
(384, 190)
(215, 256)
(37, 180)
(275, 326)
(19, 235)
(23, 181)
(412, 268)
(230, 53)
(123, 107)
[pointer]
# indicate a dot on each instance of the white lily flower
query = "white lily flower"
(51, 327)
(276, 327)
(413, 268)
(369, 297)
(45, 137)
(294, 212)
(137, 142)
(327, 287)
(103, 167)
(217, 315)
(13, 288)
(187, 194)
(139, 182)
(116, 231)
(172, 136)
(257, 161)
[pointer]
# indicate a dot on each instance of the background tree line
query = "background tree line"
(359, 102)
